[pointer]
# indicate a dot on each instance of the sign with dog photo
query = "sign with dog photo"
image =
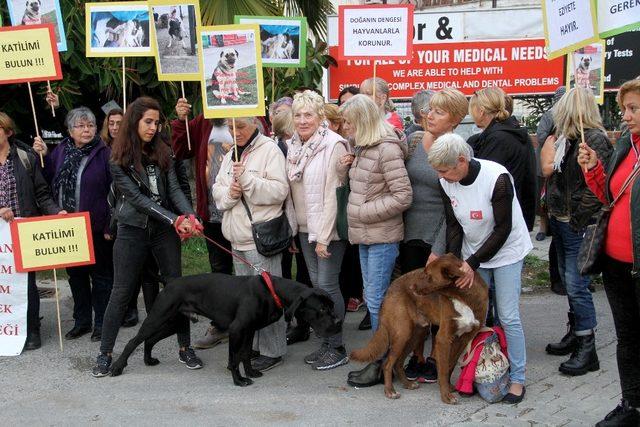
(231, 67)
(283, 40)
(174, 27)
(36, 12)
(585, 68)
(118, 29)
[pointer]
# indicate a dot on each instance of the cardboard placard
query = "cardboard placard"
(381, 31)
(28, 54)
(54, 241)
(615, 16)
(39, 12)
(568, 25)
(586, 67)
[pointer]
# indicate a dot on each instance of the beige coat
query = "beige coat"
(264, 186)
(380, 192)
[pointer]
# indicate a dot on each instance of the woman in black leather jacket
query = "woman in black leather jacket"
(150, 195)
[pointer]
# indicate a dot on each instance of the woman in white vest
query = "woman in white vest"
(485, 228)
(313, 155)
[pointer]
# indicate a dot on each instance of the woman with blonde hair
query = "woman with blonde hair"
(572, 207)
(312, 168)
(382, 100)
(334, 118)
(380, 193)
(504, 141)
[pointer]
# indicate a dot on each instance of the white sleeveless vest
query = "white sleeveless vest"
(473, 209)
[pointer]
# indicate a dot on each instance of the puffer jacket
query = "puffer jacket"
(380, 192)
(567, 192)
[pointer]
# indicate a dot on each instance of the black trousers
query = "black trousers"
(623, 293)
(351, 273)
(413, 255)
(220, 261)
(33, 304)
(302, 273)
(130, 252)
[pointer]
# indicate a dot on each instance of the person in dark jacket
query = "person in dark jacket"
(504, 141)
(143, 173)
(621, 256)
(78, 172)
(571, 207)
(23, 193)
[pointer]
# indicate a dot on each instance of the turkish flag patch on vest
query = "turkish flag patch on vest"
(475, 215)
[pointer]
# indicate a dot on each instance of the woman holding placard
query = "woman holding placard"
(571, 207)
(78, 172)
(23, 193)
(143, 173)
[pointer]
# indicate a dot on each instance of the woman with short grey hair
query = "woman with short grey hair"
(486, 228)
(419, 109)
(80, 178)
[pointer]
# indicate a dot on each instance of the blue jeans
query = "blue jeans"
(377, 263)
(506, 282)
(580, 301)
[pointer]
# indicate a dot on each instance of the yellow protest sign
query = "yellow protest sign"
(54, 241)
(29, 54)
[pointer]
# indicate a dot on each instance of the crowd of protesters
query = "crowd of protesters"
(413, 192)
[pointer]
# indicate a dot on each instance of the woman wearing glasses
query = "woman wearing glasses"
(78, 173)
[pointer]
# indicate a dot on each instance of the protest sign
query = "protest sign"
(54, 241)
(283, 40)
(174, 35)
(568, 25)
(231, 65)
(13, 298)
(622, 54)
(28, 54)
(615, 16)
(383, 31)
(585, 68)
(39, 12)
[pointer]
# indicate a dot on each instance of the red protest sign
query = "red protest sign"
(29, 54)
(381, 31)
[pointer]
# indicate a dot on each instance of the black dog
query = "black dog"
(239, 304)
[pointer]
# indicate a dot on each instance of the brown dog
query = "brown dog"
(415, 301)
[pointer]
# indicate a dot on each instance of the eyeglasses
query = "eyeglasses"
(90, 126)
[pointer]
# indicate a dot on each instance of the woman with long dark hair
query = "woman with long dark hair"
(149, 197)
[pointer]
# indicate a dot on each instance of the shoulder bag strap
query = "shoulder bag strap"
(632, 176)
(244, 202)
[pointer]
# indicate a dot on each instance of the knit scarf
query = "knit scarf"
(64, 185)
(300, 153)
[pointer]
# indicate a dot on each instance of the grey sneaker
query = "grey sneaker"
(212, 338)
(264, 363)
(332, 358)
(102, 366)
(312, 358)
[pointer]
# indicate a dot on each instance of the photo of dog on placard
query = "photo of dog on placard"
(176, 39)
(282, 40)
(35, 12)
(118, 29)
(230, 68)
(585, 68)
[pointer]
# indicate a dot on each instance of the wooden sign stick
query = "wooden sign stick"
(55, 284)
(35, 119)
(186, 120)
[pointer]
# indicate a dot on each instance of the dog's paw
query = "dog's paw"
(449, 398)
(151, 361)
(116, 370)
(242, 382)
(412, 386)
(253, 373)
(392, 394)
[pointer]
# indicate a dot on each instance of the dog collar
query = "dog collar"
(267, 280)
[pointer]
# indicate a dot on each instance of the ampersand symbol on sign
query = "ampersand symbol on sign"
(443, 32)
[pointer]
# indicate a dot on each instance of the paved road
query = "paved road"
(47, 387)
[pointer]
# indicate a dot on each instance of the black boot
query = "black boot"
(33, 341)
(365, 324)
(367, 377)
(622, 415)
(557, 287)
(584, 358)
(568, 342)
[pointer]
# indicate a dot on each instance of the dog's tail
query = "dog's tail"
(375, 349)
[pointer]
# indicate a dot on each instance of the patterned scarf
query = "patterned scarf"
(300, 153)
(65, 182)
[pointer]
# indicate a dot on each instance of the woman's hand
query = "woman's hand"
(587, 157)
(347, 159)
(235, 190)
(238, 169)
(293, 248)
(321, 251)
(52, 99)
(466, 280)
(39, 146)
(6, 214)
(183, 108)
(108, 236)
(432, 257)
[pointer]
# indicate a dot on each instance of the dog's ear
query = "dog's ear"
(291, 310)
(237, 54)
(221, 53)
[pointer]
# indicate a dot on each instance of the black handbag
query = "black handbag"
(594, 234)
(271, 237)
(342, 224)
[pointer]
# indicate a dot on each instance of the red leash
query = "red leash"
(266, 276)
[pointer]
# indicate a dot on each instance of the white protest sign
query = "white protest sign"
(615, 16)
(381, 31)
(568, 25)
(13, 298)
